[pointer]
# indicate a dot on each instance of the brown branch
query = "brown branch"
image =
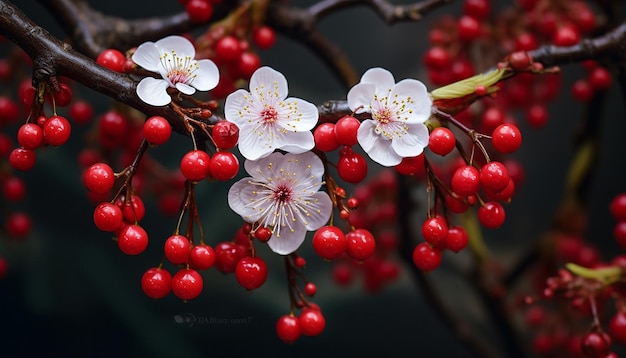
(387, 11)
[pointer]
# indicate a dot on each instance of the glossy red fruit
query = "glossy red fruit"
(108, 217)
(435, 230)
(288, 328)
(346, 130)
(491, 215)
(457, 238)
(227, 255)
(425, 257)
(329, 242)
(312, 322)
(187, 284)
(112, 129)
(465, 180)
(177, 248)
(199, 11)
(506, 138)
(596, 345)
(617, 207)
(81, 112)
(132, 240)
(99, 178)
(195, 165)
(157, 130)
(133, 210)
(56, 131)
(112, 59)
(202, 257)
(494, 176)
(14, 189)
(225, 134)
(30, 136)
(22, 159)
(325, 138)
(361, 244)
(251, 272)
(412, 166)
(156, 282)
(441, 141)
(228, 49)
(352, 167)
(264, 37)
(223, 165)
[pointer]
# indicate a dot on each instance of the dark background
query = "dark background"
(71, 292)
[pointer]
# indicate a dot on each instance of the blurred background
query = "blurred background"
(71, 292)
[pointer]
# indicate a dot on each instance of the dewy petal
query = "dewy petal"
(177, 44)
(319, 207)
(255, 144)
(289, 241)
(207, 76)
(412, 143)
(153, 91)
(240, 195)
(267, 83)
(361, 95)
(420, 104)
(184, 88)
(295, 114)
(147, 56)
(376, 148)
(381, 78)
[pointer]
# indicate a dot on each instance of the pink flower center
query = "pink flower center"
(383, 115)
(179, 69)
(283, 193)
(269, 114)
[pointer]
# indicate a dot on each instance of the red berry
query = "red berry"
(223, 165)
(30, 136)
(63, 96)
(99, 178)
(455, 204)
(108, 217)
(195, 165)
(494, 176)
(503, 195)
(595, 345)
(491, 215)
(22, 159)
(112, 129)
(492, 118)
(310, 289)
(56, 131)
(618, 207)
(81, 112)
(325, 138)
(537, 116)
(187, 284)
(227, 255)
(228, 49)
(14, 189)
(202, 257)
(441, 141)
(346, 130)
(465, 180)
(157, 130)
(248, 63)
(426, 258)
(264, 37)
(435, 230)
(132, 240)
(600, 79)
(312, 322)
(251, 272)
(288, 328)
(566, 35)
(525, 42)
(177, 249)
(361, 244)
(617, 327)
(437, 58)
(156, 283)
(457, 238)
(582, 90)
(263, 234)
(411, 166)
(476, 8)
(506, 138)
(619, 233)
(329, 242)
(199, 11)
(133, 210)
(225, 134)
(352, 167)
(112, 59)
(469, 28)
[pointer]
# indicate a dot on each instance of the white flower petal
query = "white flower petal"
(177, 44)
(361, 96)
(147, 55)
(184, 88)
(289, 241)
(419, 105)
(319, 207)
(240, 195)
(255, 144)
(377, 148)
(207, 76)
(295, 114)
(153, 91)
(298, 142)
(381, 78)
(263, 170)
(413, 143)
(235, 107)
(267, 83)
